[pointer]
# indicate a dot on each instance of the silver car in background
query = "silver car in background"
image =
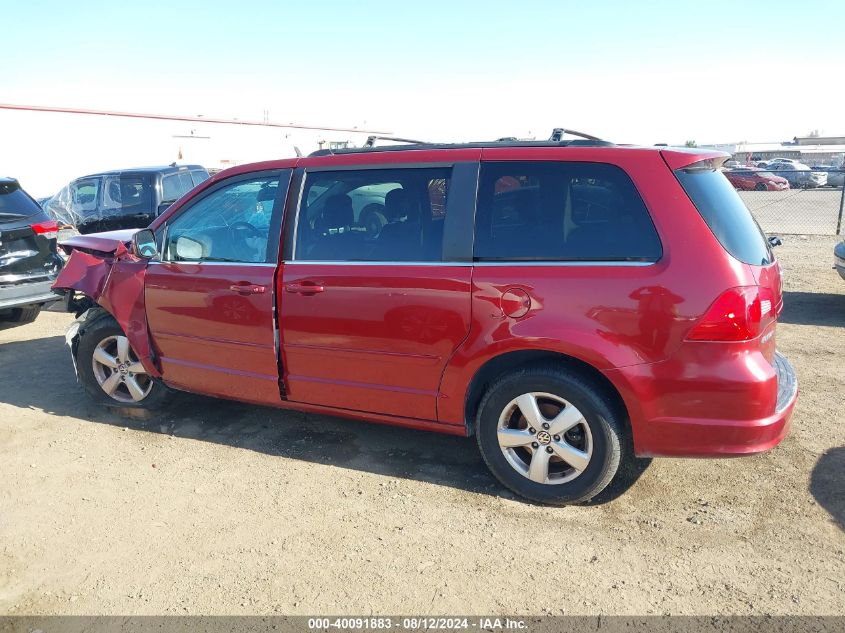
(799, 175)
(839, 259)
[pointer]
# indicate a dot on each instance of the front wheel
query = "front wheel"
(110, 371)
(550, 435)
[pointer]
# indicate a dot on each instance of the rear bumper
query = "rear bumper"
(839, 259)
(719, 437)
(26, 294)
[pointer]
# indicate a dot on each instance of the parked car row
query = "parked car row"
(121, 199)
(803, 176)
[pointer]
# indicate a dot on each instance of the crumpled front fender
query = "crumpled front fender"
(115, 281)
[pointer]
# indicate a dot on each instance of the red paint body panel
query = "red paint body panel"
(376, 339)
(210, 338)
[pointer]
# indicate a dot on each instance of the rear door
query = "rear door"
(209, 300)
(371, 312)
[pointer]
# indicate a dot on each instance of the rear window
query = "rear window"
(726, 214)
(15, 203)
(198, 176)
(561, 211)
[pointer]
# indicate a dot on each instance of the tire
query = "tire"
(596, 432)
(24, 314)
(760, 187)
(105, 338)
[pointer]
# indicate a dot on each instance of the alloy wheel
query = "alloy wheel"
(119, 372)
(545, 438)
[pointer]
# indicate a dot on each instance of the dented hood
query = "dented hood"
(111, 242)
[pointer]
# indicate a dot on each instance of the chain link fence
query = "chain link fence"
(789, 201)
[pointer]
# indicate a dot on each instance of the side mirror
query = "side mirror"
(144, 244)
(774, 240)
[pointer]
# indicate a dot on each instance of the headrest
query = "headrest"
(398, 205)
(338, 212)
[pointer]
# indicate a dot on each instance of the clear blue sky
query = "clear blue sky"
(633, 71)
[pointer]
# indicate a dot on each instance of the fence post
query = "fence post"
(841, 205)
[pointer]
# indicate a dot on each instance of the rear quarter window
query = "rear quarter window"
(726, 214)
(561, 211)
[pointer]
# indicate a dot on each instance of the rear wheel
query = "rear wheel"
(550, 435)
(110, 370)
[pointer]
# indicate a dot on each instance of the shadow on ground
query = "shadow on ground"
(43, 378)
(827, 484)
(813, 308)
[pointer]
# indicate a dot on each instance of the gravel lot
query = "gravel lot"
(221, 508)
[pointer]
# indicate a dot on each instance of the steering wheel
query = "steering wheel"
(240, 232)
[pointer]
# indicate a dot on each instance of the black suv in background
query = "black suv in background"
(122, 199)
(28, 260)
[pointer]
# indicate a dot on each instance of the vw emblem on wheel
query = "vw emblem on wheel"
(544, 437)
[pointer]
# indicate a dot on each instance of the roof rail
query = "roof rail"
(371, 140)
(503, 142)
(558, 132)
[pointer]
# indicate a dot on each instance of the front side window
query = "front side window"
(128, 194)
(561, 211)
(373, 215)
(231, 224)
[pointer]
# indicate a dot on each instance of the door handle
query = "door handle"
(305, 288)
(247, 289)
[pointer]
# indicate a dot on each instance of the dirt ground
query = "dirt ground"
(221, 508)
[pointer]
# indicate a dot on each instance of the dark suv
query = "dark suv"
(572, 304)
(28, 259)
(122, 199)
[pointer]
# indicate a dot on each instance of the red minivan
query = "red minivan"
(572, 304)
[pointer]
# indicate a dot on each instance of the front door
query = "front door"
(210, 299)
(371, 306)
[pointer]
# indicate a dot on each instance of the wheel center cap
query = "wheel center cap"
(544, 437)
(123, 369)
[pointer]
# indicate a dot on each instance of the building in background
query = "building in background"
(45, 147)
(811, 150)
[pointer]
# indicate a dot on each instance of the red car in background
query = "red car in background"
(753, 179)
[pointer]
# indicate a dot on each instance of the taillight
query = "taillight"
(739, 314)
(48, 229)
